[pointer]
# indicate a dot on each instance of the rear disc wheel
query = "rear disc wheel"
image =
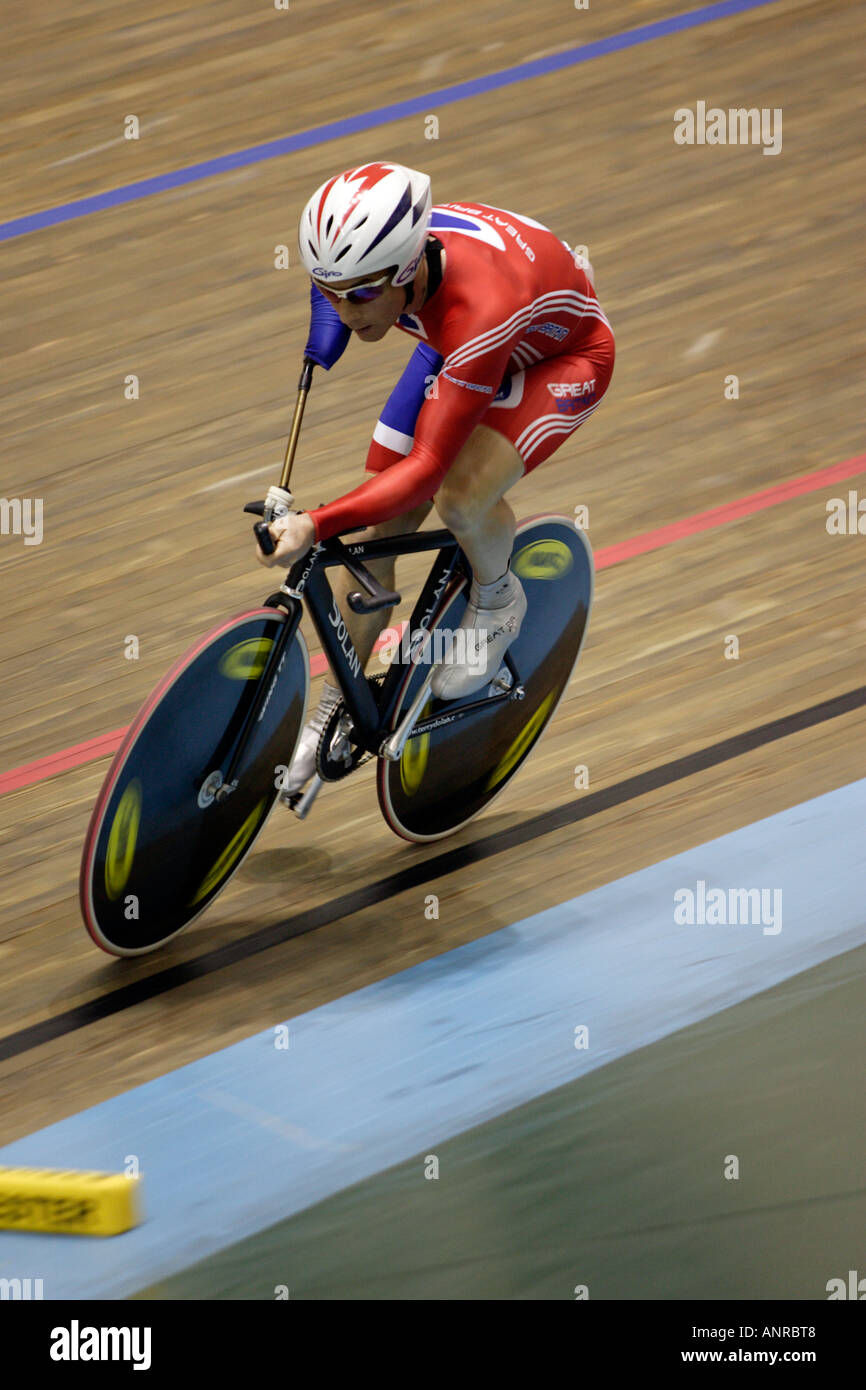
(451, 772)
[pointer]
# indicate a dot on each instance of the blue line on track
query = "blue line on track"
(367, 120)
(243, 1138)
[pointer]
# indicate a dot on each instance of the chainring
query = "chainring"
(336, 755)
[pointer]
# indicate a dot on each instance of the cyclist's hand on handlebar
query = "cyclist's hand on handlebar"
(293, 535)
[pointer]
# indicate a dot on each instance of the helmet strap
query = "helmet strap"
(433, 257)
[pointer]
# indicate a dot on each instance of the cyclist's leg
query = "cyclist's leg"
(471, 500)
(535, 411)
(471, 503)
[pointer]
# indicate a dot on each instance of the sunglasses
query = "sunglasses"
(361, 294)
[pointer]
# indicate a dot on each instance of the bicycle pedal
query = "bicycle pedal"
(301, 802)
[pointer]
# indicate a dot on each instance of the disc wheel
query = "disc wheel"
(164, 838)
(448, 774)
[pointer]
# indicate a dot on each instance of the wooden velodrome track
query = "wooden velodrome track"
(709, 262)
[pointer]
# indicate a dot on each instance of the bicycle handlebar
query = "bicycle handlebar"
(379, 597)
(264, 537)
(262, 534)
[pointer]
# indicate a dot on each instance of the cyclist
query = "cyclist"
(514, 353)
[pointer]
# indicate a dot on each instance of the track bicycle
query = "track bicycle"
(201, 766)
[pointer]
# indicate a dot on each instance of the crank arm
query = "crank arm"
(301, 802)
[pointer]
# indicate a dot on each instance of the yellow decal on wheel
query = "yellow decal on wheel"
(122, 840)
(232, 853)
(245, 661)
(413, 762)
(548, 559)
(522, 742)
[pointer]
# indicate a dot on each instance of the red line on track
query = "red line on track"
(730, 511)
(107, 744)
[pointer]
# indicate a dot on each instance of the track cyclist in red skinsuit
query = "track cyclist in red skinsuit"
(514, 353)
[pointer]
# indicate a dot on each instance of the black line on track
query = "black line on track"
(127, 996)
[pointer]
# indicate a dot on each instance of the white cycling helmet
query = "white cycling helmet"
(364, 221)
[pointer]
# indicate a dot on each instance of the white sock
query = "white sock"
(327, 700)
(497, 594)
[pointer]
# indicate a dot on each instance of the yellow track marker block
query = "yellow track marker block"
(77, 1204)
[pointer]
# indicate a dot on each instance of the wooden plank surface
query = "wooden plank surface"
(709, 262)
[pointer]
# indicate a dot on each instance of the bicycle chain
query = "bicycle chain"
(328, 769)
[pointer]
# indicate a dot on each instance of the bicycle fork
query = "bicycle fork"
(217, 786)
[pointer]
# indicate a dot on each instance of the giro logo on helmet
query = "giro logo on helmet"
(365, 221)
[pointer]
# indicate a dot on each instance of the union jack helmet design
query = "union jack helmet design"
(364, 221)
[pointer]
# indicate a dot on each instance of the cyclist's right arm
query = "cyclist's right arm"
(468, 381)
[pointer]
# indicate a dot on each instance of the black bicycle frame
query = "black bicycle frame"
(371, 717)
(307, 581)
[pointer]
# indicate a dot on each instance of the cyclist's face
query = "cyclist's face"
(371, 319)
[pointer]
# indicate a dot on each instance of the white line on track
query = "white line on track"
(109, 144)
(702, 345)
(240, 477)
